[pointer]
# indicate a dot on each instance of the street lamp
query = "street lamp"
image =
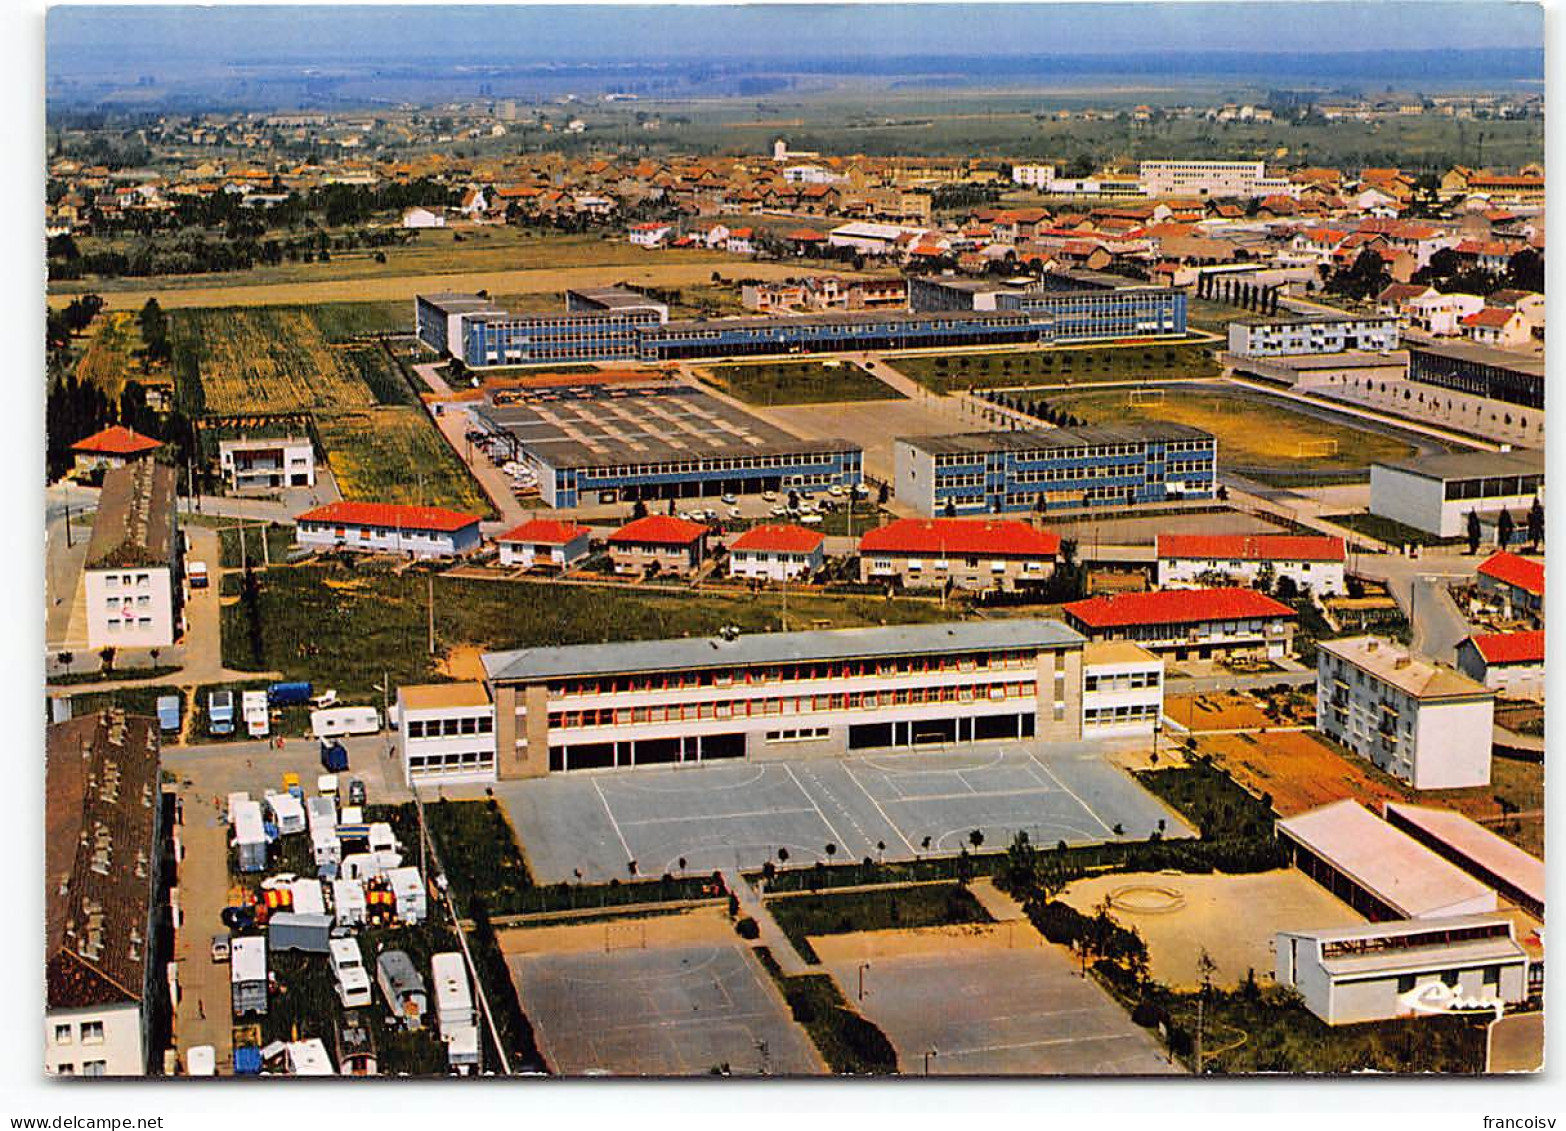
(928, 1053)
(863, 966)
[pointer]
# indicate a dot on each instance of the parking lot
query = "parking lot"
(889, 805)
(681, 1011)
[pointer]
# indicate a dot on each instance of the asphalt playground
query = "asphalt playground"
(589, 826)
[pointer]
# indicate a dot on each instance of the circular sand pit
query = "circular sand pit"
(1146, 899)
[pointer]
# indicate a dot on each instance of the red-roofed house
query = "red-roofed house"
(1497, 326)
(1514, 583)
(1191, 561)
(544, 542)
(777, 552)
(669, 544)
(976, 554)
(1190, 624)
(115, 446)
(1509, 663)
(420, 532)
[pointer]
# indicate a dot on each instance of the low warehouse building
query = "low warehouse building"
(1435, 494)
(974, 554)
(388, 528)
(1515, 874)
(1191, 624)
(1348, 975)
(1382, 873)
(1511, 664)
(777, 552)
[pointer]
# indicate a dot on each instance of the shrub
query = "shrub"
(747, 928)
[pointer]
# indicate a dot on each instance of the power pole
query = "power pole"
(1199, 1004)
(430, 578)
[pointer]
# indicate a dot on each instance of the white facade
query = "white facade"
(1122, 690)
(1418, 720)
(252, 465)
(650, 235)
(1437, 500)
(1323, 578)
(446, 733)
(1036, 176)
(130, 608)
(1441, 315)
(775, 565)
(101, 1041)
(423, 218)
(1301, 334)
(1212, 178)
(387, 540)
(527, 554)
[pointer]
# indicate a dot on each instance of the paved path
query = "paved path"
(772, 936)
(453, 421)
(430, 374)
(203, 1015)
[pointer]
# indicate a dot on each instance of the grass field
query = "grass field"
(393, 454)
(1061, 365)
(798, 382)
(1258, 436)
(924, 905)
(343, 628)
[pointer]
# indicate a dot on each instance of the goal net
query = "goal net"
(1307, 449)
(625, 936)
(1137, 398)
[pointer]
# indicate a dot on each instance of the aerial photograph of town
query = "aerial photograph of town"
(871, 541)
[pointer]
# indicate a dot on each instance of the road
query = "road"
(1419, 586)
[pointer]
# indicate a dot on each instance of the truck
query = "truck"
(334, 722)
(168, 713)
(353, 984)
(455, 1017)
(287, 813)
(403, 987)
(197, 572)
(334, 757)
(220, 712)
(247, 976)
(291, 693)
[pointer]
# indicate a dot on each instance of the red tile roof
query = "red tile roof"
(1175, 606)
(1494, 316)
(390, 516)
(1008, 537)
(659, 529)
(1511, 647)
(117, 440)
(548, 531)
(779, 537)
(1520, 572)
(1253, 547)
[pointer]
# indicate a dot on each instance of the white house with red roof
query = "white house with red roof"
(1193, 561)
(1509, 663)
(966, 553)
(650, 234)
(1190, 624)
(1496, 326)
(544, 542)
(672, 545)
(114, 446)
(777, 552)
(388, 528)
(1514, 584)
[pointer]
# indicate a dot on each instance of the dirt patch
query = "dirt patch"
(462, 661)
(867, 945)
(702, 925)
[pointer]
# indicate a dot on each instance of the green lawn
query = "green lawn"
(1389, 530)
(1059, 365)
(798, 382)
(926, 905)
(849, 1043)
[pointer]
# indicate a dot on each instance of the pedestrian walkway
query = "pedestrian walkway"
(202, 1016)
(772, 936)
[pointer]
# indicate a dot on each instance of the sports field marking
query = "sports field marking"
(995, 759)
(690, 819)
(961, 834)
(837, 836)
(629, 855)
(895, 826)
(973, 793)
(661, 976)
(1085, 806)
(643, 787)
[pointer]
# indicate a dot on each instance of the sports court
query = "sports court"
(988, 1003)
(660, 1012)
(738, 815)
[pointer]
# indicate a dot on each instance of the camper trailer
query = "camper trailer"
(309, 899)
(408, 888)
(454, 1014)
(348, 902)
(403, 988)
(334, 722)
(247, 976)
(249, 834)
(287, 813)
(308, 1058)
(253, 708)
(220, 712)
(353, 984)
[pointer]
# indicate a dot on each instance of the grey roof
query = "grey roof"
(1028, 439)
(840, 318)
(1303, 318)
(687, 653)
(615, 297)
(134, 525)
(1471, 465)
(453, 302)
(1530, 364)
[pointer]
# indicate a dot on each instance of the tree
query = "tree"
(976, 838)
(1536, 523)
(951, 509)
(639, 509)
(1474, 533)
(1504, 529)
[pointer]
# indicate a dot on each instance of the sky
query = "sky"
(84, 39)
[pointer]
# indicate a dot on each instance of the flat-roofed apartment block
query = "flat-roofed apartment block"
(132, 571)
(658, 541)
(1314, 332)
(1415, 718)
(1054, 469)
(267, 463)
(544, 542)
(446, 732)
(1190, 624)
(1513, 584)
(826, 692)
(1122, 689)
(1311, 561)
(1244, 179)
(104, 902)
(1407, 968)
(591, 444)
(972, 554)
(1436, 493)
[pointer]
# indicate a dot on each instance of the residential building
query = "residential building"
(821, 692)
(1122, 689)
(1313, 562)
(963, 553)
(133, 575)
(651, 234)
(658, 542)
(388, 528)
(544, 542)
(1435, 494)
(1245, 179)
(114, 446)
(104, 895)
(1511, 664)
(446, 733)
(1514, 585)
(1051, 469)
(1289, 333)
(777, 552)
(1497, 327)
(1413, 717)
(267, 463)
(1191, 624)
(1404, 968)
(1034, 176)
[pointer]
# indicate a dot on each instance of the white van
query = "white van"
(353, 983)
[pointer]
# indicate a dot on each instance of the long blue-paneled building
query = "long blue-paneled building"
(1055, 469)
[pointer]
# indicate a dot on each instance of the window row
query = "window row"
(1014, 660)
(447, 728)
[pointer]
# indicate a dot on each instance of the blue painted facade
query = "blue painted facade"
(528, 339)
(837, 332)
(742, 475)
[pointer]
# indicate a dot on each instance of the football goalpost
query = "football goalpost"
(1138, 398)
(1309, 449)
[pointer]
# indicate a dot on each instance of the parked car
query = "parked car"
(221, 945)
(730, 500)
(356, 794)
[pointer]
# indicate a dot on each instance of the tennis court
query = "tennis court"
(891, 806)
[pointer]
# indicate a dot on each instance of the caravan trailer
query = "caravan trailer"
(403, 987)
(287, 813)
(249, 834)
(348, 903)
(253, 708)
(454, 1014)
(353, 984)
(408, 889)
(334, 722)
(247, 975)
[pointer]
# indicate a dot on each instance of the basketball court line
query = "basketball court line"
(1088, 809)
(688, 818)
(972, 794)
(896, 828)
(629, 855)
(837, 836)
